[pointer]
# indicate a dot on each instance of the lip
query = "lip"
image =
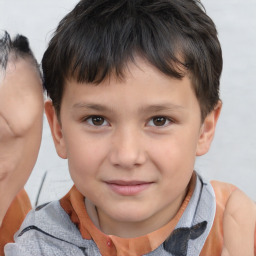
(128, 188)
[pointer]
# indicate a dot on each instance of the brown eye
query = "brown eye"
(96, 121)
(159, 121)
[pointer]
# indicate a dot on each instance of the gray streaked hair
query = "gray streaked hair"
(14, 49)
(5, 48)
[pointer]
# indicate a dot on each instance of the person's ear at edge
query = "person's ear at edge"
(56, 129)
(208, 130)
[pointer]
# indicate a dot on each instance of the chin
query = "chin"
(131, 216)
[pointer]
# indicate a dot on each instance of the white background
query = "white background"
(232, 157)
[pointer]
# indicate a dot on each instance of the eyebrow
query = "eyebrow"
(150, 108)
(92, 106)
(161, 107)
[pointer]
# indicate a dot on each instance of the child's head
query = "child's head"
(99, 38)
(15, 50)
(134, 85)
(21, 112)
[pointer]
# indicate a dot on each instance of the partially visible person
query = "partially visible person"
(21, 117)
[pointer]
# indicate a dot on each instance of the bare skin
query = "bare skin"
(21, 117)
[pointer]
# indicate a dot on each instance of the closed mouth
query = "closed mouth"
(127, 183)
(128, 188)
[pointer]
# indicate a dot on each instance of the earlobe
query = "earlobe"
(208, 130)
(55, 129)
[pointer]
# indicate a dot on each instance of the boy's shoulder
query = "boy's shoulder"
(239, 222)
(223, 190)
(233, 202)
(234, 228)
(47, 230)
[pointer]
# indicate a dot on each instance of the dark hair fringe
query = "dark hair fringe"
(99, 37)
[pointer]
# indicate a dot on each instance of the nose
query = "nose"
(127, 149)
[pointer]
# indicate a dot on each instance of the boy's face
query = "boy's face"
(131, 145)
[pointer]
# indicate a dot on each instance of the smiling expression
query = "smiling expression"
(131, 146)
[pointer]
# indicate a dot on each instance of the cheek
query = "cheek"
(174, 158)
(175, 151)
(85, 156)
(23, 118)
(85, 165)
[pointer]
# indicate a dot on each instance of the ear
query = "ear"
(207, 130)
(56, 129)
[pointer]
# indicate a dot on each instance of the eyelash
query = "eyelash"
(89, 120)
(167, 121)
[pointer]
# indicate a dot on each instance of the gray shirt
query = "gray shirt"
(49, 230)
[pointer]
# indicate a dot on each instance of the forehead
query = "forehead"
(142, 84)
(19, 79)
(19, 68)
(138, 68)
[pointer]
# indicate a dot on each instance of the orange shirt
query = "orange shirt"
(13, 219)
(214, 242)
